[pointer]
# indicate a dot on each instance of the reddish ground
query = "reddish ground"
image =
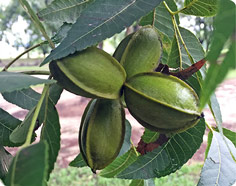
(70, 108)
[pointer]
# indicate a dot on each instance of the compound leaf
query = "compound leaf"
(29, 166)
(101, 20)
(167, 158)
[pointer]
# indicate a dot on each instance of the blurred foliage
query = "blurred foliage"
(11, 14)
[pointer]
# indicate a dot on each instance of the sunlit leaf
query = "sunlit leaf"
(200, 7)
(110, 17)
(119, 164)
(29, 166)
(219, 167)
(168, 157)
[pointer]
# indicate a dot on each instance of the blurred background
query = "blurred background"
(17, 33)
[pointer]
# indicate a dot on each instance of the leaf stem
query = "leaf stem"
(185, 7)
(36, 72)
(36, 21)
(20, 55)
(35, 116)
(137, 154)
(209, 126)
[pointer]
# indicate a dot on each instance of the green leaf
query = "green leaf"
(127, 143)
(224, 27)
(194, 47)
(217, 72)
(55, 93)
(149, 182)
(29, 166)
(161, 18)
(11, 81)
(167, 158)
(61, 33)
(7, 124)
(51, 133)
(137, 183)
(119, 164)
(92, 26)
(5, 160)
(25, 98)
(231, 135)
(60, 11)
(149, 136)
(219, 167)
(19, 134)
(163, 21)
(28, 98)
(200, 7)
(78, 161)
(174, 56)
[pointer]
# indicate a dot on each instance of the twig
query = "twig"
(19, 56)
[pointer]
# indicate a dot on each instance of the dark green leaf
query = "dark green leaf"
(25, 98)
(93, 26)
(127, 143)
(78, 161)
(7, 124)
(149, 136)
(119, 164)
(200, 7)
(28, 98)
(11, 81)
(20, 133)
(219, 167)
(147, 19)
(168, 157)
(54, 93)
(161, 18)
(51, 133)
(218, 73)
(59, 11)
(5, 160)
(29, 166)
(61, 33)
(224, 26)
